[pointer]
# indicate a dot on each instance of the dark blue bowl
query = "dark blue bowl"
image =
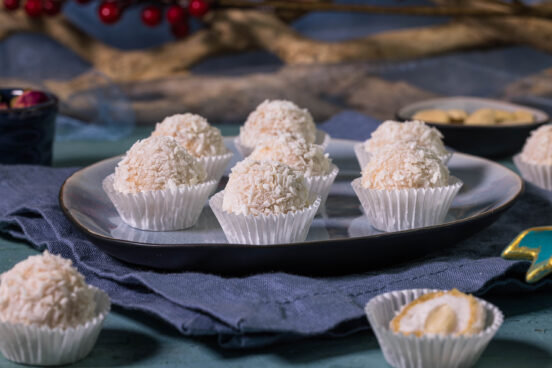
(27, 134)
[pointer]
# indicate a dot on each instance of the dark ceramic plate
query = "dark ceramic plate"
(340, 241)
(487, 141)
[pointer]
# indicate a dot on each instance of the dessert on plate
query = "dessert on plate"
(405, 186)
(535, 160)
(307, 158)
(273, 117)
(49, 315)
(159, 186)
(393, 132)
(264, 202)
(200, 139)
(432, 328)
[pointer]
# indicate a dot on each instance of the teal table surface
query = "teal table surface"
(136, 340)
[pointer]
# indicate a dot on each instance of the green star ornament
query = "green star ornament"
(534, 244)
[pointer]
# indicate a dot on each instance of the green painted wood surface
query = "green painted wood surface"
(131, 339)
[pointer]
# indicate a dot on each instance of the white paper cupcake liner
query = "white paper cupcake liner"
(291, 227)
(540, 175)
(215, 165)
(36, 345)
(322, 139)
(402, 351)
(403, 209)
(363, 156)
(321, 185)
(160, 210)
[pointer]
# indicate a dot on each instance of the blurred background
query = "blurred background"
(118, 64)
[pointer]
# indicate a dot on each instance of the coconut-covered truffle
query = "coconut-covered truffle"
(194, 133)
(403, 167)
(46, 290)
(157, 163)
(442, 313)
(538, 148)
(309, 159)
(391, 132)
(264, 188)
(278, 116)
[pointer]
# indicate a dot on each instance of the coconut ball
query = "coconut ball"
(391, 132)
(538, 147)
(46, 290)
(157, 163)
(263, 188)
(404, 167)
(194, 133)
(273, 117)
(309, 159)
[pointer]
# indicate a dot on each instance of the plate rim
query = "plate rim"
(344, 241)
(546, 118)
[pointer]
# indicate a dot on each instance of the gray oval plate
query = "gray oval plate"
(341, 240)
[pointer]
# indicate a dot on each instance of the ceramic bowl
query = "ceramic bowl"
(27, 134)
(492, 141)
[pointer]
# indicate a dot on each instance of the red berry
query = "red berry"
(109, 12)
(180, 30)
(11, 4)
(52, 7)
(33, 8)
(175, 14)
(151, 16)
(198, 8)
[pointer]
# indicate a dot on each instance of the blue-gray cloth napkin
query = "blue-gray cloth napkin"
(264, 308)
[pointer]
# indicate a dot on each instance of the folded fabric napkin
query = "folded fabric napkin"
(264, 308)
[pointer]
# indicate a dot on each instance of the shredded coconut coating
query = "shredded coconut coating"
(264, 188)
(273, 117)
(538, 148)
(157, 163)
(194, 133)
(391, 132)
(309, 159)
(403, 167)
(46, 290)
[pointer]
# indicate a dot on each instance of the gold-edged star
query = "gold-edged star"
(534, 244)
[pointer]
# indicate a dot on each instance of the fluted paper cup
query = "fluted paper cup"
(215, 165)
(42, 345)
(363, 156)
(321, 185)
(410, 351)
(291, 227)
(403, 209)
(540, 175)
(322, 139)
(160, 210)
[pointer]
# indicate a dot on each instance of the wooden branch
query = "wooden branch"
(439, 11)
(156, 62)
(238, 30)
(275, 36)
